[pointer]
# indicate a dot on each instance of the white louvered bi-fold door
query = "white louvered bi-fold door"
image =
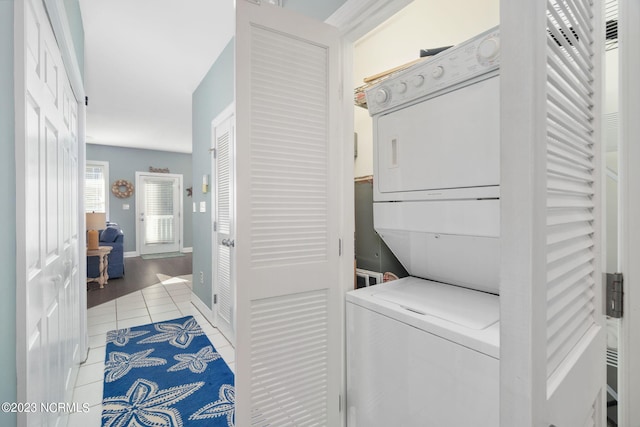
(551, 296)
(287, 247)
(224, 285)
(575, 355)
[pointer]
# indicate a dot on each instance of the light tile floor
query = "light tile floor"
(169, 299)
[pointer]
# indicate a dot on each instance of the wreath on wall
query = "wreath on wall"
(122, 189)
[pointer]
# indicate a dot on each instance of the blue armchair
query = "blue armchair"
(114, 237)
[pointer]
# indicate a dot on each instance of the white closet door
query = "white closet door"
(223, 242)
(552, 325)
(288, 337)
(48, 253)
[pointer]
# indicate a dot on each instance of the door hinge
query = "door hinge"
(215, 226)
(214, 151)
(614, 295)
(339, 403)
(215, 298)
(339, 247)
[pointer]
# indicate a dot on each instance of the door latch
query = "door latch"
(614, 295)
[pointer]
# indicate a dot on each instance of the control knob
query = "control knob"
(401, 87)
(382, 96)
(437, 72)
(418, 80)
(489, 49)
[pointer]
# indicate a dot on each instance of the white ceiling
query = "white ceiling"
(143, 60)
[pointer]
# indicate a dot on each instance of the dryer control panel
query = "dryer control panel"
(462, 64)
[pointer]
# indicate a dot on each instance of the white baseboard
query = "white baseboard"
(131, 254)
(187, 250)
(202, 308)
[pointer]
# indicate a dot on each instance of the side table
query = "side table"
(103, 254)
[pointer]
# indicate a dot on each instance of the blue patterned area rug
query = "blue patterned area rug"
(166, 374)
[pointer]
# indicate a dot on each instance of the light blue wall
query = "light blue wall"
(212, 96)
(74, 16)
(8, 376)
(123, 164)
(316, 9)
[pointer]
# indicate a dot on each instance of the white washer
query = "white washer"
(422, 354)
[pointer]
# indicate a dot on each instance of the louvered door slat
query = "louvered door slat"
(571, 141)
(568, 169)
(559, 114)
(560, 285)
(566, 300)
(569, 103)
(567, 216)
(567, 75)
(568, 248)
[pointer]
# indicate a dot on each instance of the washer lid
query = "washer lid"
(464, 307)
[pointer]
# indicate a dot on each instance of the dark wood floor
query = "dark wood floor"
(138, 274)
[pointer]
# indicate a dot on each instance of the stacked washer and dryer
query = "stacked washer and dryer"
(424, 350)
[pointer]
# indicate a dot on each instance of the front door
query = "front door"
(159, 210)
(287, 245)
(47, 226)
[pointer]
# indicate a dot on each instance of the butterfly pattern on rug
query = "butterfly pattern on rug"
(143, 388)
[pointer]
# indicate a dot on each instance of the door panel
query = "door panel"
(224, 219)
(552, 324)
(575, 328)
(48, 253)
(288, 337)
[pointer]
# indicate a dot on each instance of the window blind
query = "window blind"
(95, 192)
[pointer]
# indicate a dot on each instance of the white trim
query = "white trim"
(187, 250)
(229, 110)
(355, 18)
(202, 308)
(131, 254)
(629, 211)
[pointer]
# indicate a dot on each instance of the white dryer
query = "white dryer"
(424, 350)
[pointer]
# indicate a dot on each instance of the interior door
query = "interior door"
(553, 340)
(158, 207)
(287, 246)
(48, 253)
(223, 225)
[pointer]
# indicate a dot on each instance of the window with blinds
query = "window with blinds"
(96, 179)
(158, 201)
